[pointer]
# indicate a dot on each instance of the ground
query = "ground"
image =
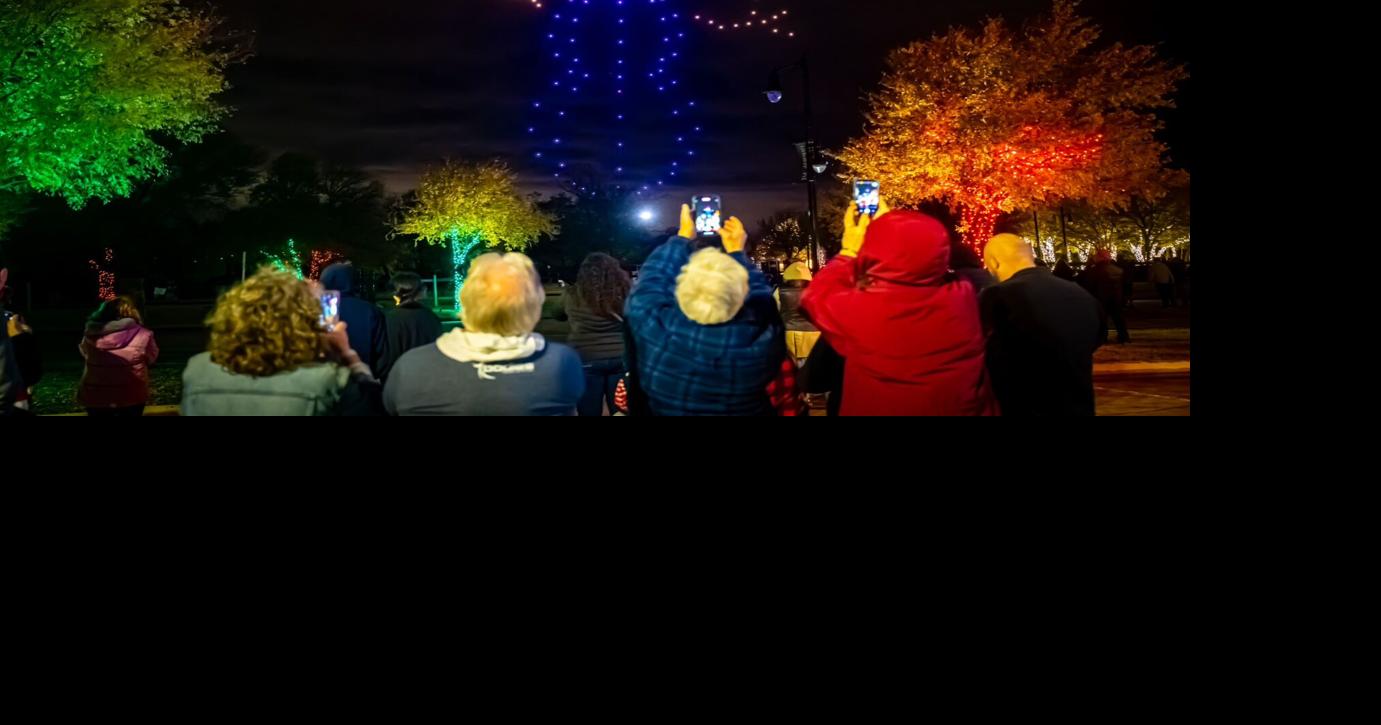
(1126, 380)
(1125, 384)
(1142, 395)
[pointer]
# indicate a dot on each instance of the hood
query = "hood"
(797, 271)
(339, 277)
(463, 346)
(905, 247)
(112, 335)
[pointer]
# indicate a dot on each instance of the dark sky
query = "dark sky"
(393, 86)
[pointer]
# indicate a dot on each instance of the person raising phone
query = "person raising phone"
(909, 331)
(707, 336)
(270, 356)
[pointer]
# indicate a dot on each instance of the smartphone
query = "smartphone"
(868, 196)
(330, 310)
(708, 212)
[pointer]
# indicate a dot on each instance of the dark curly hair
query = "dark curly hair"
(602, 285)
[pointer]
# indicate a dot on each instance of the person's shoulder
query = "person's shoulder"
(359, 303)
(420, 355)
(561, 357)
(1070, 289)
(561, 353)
(995, 290)
(672, 245)
(960, 283)
(198, 366)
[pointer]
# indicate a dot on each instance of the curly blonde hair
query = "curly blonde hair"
(266, 325)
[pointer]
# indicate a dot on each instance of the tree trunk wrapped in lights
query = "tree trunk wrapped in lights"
(467, 205)
(286, 261)
(460, 249)
(321, 259)
(997, 120)
(105, 278)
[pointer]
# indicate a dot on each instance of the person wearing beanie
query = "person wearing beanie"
(412, 324)
(801, 334)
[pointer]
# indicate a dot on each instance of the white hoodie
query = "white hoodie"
(468, 347)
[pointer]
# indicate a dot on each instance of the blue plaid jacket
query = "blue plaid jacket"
(686, 368)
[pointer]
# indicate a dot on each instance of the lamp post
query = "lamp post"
(775, 94)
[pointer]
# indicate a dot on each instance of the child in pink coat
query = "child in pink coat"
(118, 351)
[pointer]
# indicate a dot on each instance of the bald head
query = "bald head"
(1007, 254)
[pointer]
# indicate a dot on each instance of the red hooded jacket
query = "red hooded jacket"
(910, 335)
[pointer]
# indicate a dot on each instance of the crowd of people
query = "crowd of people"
(905, 320)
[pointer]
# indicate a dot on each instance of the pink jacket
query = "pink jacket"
(118, 355)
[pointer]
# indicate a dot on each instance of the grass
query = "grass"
(57, 391)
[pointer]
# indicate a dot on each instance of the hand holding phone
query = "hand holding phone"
(687, 230)
(338, 343)
(855, 231)
(734, 236)
(707, 211)
(330, 310)
(868, 197)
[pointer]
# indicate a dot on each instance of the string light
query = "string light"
(321, 259)
(105, 279)
(752, 21)
(290, 262)
(1032, 158)
(458, 254)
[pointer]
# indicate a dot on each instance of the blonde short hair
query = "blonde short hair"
(712, 287)
(503, 295)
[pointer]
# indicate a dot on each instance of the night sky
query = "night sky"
(395, 86)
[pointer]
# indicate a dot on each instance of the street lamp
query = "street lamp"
(814, 168)
(774, 87)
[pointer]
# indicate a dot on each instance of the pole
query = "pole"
(436, 294)
(1036, 216)
(810, 172)
(244, 256)
(1064, 233)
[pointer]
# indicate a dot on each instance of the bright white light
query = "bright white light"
(645, 215)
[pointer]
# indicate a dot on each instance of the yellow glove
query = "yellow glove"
(856, 227)
(734, 236)
(855, 231)
(687, 223)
